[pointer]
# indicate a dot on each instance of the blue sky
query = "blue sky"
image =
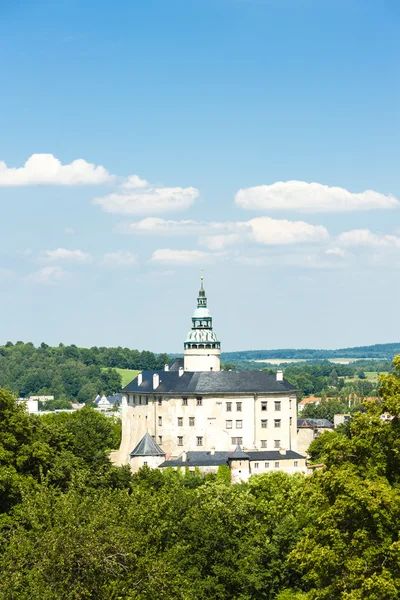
(258, 139)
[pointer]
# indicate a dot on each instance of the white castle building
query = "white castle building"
(192, 414)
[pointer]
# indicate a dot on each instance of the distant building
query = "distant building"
(41, 398)
(310, 429)
(104, 403)
(32, 406)
(310, 400)
(193, 407)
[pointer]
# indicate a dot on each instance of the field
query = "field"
(127, 375)
(282, 361)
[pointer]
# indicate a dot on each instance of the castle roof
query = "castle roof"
(238, 454)
(210, 382)
(147, 447)
(203, 458)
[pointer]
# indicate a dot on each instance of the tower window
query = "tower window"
(263, 443)
(180, 421)
(191, 421)
(239, 424)
(228, 424)
(278, 405)
(229, 407)
(180, 440)
(264, 405)
(184, 401)
(239, 406)
(160, 420)
(199, 441)
(199, 401)
(264, 423)
(277, 423)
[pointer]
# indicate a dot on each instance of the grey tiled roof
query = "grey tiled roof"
(314, 423)
(210, 382)
(147, 447)
(238, 454)
(206, 459)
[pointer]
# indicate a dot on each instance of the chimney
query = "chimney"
(282, 451)
(279, 375)
(139, 379)
(212, 451)
(166, 367)
(156, 381)
(180, 371)
(184, 456)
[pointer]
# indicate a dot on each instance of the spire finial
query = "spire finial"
(202, 277)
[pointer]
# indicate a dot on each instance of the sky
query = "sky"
(144, 140)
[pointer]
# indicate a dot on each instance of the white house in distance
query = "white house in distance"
(197, 415)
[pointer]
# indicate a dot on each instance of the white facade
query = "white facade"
(202, 359)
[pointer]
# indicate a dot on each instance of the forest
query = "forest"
(68, 372)
(73, 526)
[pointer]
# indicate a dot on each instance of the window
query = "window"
(264, 423)
(159, 401)
(237, 441)
(160, 420)
(145, 463)
(180, 440)
(199, 401)
(239, 406)
(256, 465)
(199, 441)
(229, 407)
(228, 424)
(277, 465)
(180, 421)
(266, 465)
(160, 439)
(239, 424)
(296, 463)
(191, 421)
(263, 443)
(140, 399)
(278, 405)
(277, 423)
(277, 443)
(184, 401)
(264, 405)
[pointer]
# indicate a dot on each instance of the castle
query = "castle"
(194, 415)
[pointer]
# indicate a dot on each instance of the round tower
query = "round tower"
(202, 349)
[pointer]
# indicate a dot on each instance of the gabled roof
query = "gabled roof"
(206, 459)
(210, 382)
(147, 447)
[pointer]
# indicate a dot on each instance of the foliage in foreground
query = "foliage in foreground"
(74, 527)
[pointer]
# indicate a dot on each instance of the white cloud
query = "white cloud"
(310, 197)
(269, 231)
(335, 251)
(182, 257)
(47, 275)
(67, 255)
(133, 182)
(42, 169)
(122, 258)
(365, 237)
(69, 230)
(218, 235)
(218, 242)
(5, 272)
(148, 200)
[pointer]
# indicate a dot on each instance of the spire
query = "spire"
(202, 293)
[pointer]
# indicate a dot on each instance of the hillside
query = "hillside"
(382, 351)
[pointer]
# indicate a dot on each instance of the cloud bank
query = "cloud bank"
(67, 255)
(46, 169)
(141, 200)
(310, 197)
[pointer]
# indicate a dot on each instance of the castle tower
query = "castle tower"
(202, 348)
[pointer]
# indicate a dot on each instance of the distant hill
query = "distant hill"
(382, 351)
